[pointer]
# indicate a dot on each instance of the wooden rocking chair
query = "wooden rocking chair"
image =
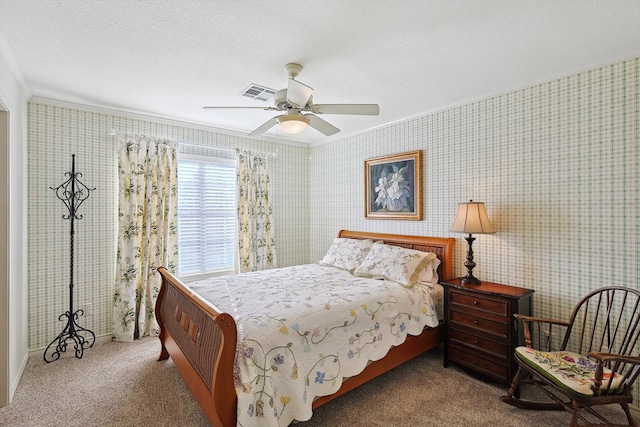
(597, 362)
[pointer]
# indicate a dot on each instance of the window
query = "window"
(206, 215)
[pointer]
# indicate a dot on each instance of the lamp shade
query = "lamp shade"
(293, 124)
(472, 218)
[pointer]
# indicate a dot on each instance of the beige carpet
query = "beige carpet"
(120, 384)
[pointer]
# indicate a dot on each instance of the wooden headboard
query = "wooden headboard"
(441, 246)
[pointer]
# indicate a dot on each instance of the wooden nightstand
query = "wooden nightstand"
(481, 333)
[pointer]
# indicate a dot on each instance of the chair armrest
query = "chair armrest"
(541, 320)
(627, 366)
(612, 357)
(543, 329)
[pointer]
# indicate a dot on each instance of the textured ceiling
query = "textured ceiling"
(170, 58)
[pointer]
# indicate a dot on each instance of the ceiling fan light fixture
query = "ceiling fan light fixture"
(293, 124)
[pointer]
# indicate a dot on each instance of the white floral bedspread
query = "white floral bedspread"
(302, 329)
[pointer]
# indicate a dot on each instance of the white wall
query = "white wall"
(13, 233)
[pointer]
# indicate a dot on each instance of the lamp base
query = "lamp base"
(470, 279)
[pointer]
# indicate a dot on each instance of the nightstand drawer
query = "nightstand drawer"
(499, 329)
(499, 308)
(498, 349)
(493, 368)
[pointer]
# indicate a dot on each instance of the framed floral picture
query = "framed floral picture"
(393, 187)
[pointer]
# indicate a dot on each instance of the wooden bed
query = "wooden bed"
(201, 340)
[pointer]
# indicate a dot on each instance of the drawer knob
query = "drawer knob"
(475, 322)
(476, 303)
(476, 342)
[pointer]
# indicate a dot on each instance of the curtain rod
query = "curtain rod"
(273, 154)
(192, 144)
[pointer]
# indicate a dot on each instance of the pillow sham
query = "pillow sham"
(400, 265)
(429, 274)
(347, 254)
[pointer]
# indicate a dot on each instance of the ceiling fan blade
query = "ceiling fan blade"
(266, 126)
(298, 93)
(212, 107)
(321, 125)
(357, 109)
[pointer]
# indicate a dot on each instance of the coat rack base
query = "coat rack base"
(81, 338)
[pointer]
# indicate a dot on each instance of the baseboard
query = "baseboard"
(99, 339)
(14, 385)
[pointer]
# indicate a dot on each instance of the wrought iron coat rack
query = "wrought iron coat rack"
(72, 192)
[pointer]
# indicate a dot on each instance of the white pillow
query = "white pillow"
(429, 274)
(394, 263)
(347, 253)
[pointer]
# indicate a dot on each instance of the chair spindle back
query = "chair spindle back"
(606, 320)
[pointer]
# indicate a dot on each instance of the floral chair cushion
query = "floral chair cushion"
(569, 370)
(347, 254)
(394, 263)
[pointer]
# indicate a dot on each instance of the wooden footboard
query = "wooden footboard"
(202, 343)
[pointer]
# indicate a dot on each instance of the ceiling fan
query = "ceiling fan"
(299, 111)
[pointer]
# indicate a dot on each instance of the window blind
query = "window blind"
(206, 214)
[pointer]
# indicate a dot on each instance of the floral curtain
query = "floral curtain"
(147, 231)
(256, 242)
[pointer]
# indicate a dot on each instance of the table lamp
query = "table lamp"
(471, 218)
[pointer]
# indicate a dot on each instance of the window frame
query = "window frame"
(190, 277)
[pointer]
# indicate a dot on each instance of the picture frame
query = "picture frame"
(393, 187)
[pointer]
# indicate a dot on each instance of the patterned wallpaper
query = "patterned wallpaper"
(54, 133)
(557, 166)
